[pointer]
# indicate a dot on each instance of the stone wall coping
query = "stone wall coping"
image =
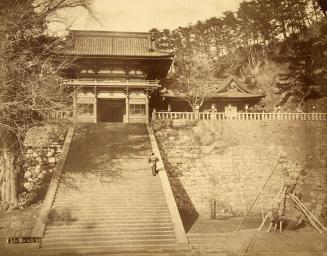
(172, 207)
(41, 220)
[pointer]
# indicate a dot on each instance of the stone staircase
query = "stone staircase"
(108, 201)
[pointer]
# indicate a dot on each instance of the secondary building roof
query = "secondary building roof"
(222, 88)
(113, 44)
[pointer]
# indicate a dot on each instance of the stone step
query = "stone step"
(122, 176)
(107, 243)
(113, 230)
(156, 197)
(145, 179)
(107, 174)
(159, 196)
(108, 168)
(106, 179)
(123, 201)
(111, 222)
(111, 233)
(110, 211)
(140, 154)
(162, 250)
(112, 225)
(135, 219)
(108, 203)
(93, 217)
(44, 252)
(101, 208)
(142, 150)
(137, 184)
(116, 230)
(112, 188)
(103, 173)
(106, 192)
(108, 238)
(90, 213)
(111, 196)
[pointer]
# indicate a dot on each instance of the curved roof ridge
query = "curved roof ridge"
(114, 43)
(109, 33)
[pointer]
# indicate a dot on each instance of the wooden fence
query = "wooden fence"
(239, 116)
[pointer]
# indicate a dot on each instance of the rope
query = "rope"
(280, 192)
(246, 215)
(277, 197)
(314, 221)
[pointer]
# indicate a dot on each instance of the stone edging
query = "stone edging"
(52, 189)
(172, 207)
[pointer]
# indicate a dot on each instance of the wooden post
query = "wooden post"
(74, 105)
(127, 108)
(95, 105)
(147, 108)
(126, 92)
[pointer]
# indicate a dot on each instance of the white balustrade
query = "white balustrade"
(241, 116)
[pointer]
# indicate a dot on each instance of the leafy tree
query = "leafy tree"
(246, 42)
(307, 74)
(30, 72)
(194, 78)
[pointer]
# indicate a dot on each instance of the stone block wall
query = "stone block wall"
(227, 161)
(43, 147)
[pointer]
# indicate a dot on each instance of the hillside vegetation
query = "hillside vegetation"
(278, 47)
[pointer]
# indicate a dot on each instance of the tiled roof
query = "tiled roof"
(111, 44)
(236, 94)
(221, 90)
(230, 94)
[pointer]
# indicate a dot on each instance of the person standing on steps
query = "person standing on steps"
(153, 162)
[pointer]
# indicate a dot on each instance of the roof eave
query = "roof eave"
(119, 56)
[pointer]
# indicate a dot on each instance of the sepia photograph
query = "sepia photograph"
(163, 127)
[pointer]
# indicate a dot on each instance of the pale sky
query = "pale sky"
(142, 15)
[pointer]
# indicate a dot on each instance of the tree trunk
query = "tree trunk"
(284, 29)
(8, 178)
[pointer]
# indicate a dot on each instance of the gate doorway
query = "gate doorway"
(111, 110)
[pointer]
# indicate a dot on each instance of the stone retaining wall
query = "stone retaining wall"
(43, 147)
(227, 161)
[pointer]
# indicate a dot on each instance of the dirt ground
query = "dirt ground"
(304, 241)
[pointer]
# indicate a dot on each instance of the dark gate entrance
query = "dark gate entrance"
(110, 110)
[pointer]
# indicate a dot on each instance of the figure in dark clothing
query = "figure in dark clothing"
(293, 219)
(153, 162)
(275, 215)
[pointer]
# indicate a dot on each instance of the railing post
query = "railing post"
(154, 113)
(223, 116)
